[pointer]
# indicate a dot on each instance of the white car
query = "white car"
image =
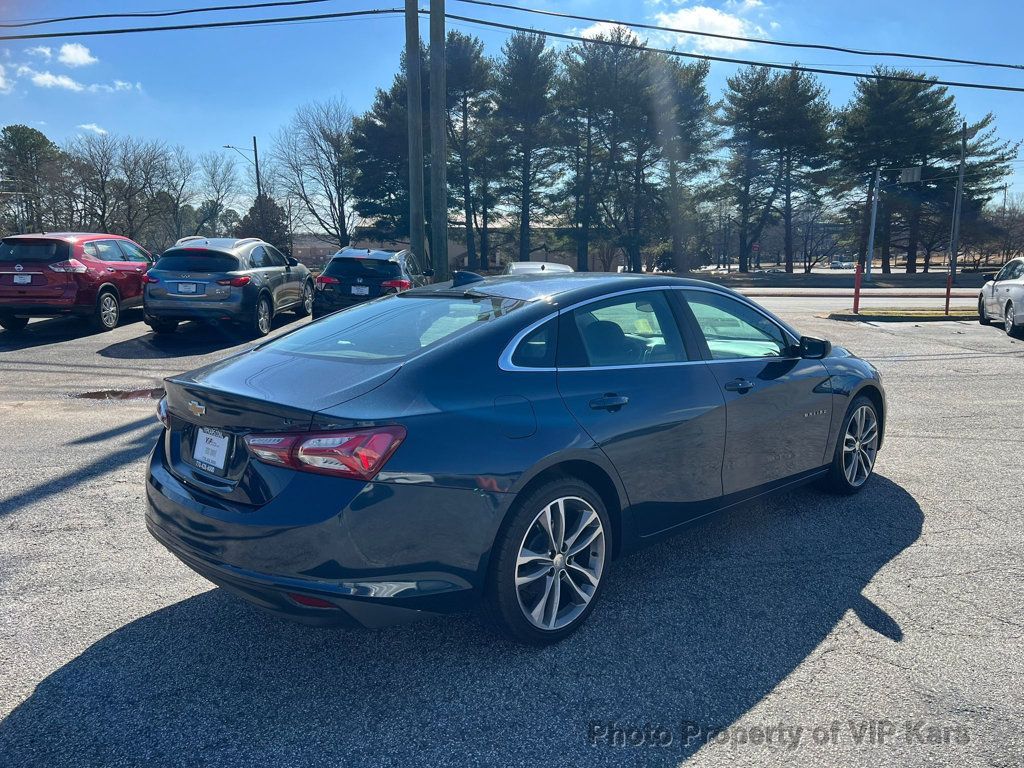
(1002, 298)
(529, 267)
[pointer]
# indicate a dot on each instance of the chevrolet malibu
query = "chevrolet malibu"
(495, 441)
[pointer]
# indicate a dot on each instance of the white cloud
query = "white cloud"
(601, 28)
(42, 51)
(93, 128)
(76, 55)
(703, 18)
(6, 86)
(50, 80)
(115, 87)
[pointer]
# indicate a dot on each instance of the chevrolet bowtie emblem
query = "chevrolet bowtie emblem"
(196, 408)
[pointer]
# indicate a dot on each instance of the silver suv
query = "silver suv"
(243, 281)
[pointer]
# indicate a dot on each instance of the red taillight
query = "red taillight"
(398, 285)
(71, 265)
(236, 282)
(358, 453)
(322, 280)
(161, 413)
(150, 279)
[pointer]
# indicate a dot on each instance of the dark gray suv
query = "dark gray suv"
(244, 281)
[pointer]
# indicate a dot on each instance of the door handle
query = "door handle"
(610, 402)
(739, 385)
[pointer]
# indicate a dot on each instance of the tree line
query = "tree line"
(605, 150)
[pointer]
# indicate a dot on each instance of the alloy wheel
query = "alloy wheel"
(307, 298)
(560, 562)
(108, 310)
(860, 446)
(1008, 318)
(263, 316)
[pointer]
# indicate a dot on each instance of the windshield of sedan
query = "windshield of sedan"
(393, 329)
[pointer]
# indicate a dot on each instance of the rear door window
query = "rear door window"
(633, 329)
(259, 258)
(25, 251)
(197, 261)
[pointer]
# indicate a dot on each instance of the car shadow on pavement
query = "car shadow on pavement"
(698, 629)
(191, 339)
(56, 330)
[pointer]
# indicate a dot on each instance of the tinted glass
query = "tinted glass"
(258, 258)
(734, 330)
(537, 349)
(392, 329)
(346, 267)
(132, 252)
(197, 261)
(275, 258)
(636, 329)
(104, 250)
(34, 250)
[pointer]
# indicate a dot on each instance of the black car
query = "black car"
(354, 275)
(499, 440)
(246, 281)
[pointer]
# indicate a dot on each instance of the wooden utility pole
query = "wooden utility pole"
(414, 104)
(438, 145)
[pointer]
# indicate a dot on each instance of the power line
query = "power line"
(158, 14)
(745, 62)
(759, 41)
(518, 28)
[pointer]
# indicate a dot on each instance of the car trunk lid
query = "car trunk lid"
(25, 271)
(356, 278)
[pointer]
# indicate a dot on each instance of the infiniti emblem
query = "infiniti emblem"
(18, 267)
(196, 408)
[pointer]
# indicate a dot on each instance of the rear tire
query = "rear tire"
(107, 313)
(856, 449)
(262, 317)
(164, 327)
(549, 563)
(983, 318)
(13, 323)
(305, 306)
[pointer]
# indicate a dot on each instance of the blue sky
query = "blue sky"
(206, 88)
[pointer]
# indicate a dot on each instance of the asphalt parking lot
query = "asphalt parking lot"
(880, 629)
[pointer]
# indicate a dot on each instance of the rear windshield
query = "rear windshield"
(34, 250)
(348, 267)
(393, 329)
(197, 261)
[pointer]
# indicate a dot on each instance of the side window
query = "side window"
(258, 257)
(411, 265)
(132, 252)
(105, 250)
(537, 348)
(275, 258)
(1017, 272)
(734, 330)
(635, 329)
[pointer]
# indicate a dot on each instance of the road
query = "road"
(899, 604)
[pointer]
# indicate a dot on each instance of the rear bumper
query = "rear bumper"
(35, 308)
(378, 553)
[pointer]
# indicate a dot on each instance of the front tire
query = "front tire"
(262, 317)
(983, 318)
(107, 313)
(549, 563)
(13, 323)
(1009, 325)
(856, 450)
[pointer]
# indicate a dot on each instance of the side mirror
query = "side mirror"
(991, 277)
(428, 272)
(814, 349)
(293, 262)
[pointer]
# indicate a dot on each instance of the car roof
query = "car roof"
(559, 287)
(367, 253)
(69, 237)
(232, 245)
(541, 265)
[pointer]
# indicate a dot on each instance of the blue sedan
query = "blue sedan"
(495, 441)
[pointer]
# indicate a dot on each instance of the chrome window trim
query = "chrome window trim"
(505, 360)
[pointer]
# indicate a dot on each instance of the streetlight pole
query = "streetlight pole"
(255, 160)
(870, 256)
(954, 235)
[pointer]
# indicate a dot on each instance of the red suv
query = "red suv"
(59, 273)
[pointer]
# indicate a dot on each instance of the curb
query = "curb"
(953, 317)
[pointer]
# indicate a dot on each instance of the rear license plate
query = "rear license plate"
(211, 450)
(360, 290)
(186, 287)
(23, 279)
